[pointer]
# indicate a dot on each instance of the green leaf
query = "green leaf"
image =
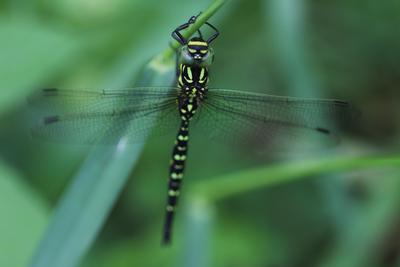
(23, 219)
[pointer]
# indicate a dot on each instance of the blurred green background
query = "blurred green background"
(316, 48)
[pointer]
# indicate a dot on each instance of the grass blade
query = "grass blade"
(85, 205)
(234, 184)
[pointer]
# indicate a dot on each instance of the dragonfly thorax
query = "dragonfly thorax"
(192, 77)
(193, 82)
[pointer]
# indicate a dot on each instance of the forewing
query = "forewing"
(261, 121)
(93, 117)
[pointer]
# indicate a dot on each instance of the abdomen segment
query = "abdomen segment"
(175, 177)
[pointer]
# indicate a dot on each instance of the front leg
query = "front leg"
(176, 34)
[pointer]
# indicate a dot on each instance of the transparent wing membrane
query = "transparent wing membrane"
(89, 100)
(225, 115)
(260, 120)
(90, 117)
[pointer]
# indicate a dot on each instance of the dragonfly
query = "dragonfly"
(105, 116)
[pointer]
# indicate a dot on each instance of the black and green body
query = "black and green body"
(193, 60)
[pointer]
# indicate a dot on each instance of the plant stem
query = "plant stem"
(217, 4)
(239, 183)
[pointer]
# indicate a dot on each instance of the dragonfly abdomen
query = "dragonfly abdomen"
(176, 170)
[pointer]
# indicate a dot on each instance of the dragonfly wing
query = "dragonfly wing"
(259, 119)
(64, 100)
(93, 117)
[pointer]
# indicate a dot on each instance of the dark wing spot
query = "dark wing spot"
(50, 91)
(354, 113)
(51, 119)
(323, 130)
(341, 103)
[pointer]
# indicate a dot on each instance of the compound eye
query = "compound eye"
(203, 52)
(192, 51)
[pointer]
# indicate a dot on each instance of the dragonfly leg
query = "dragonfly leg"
(176, 34)
(215, 35)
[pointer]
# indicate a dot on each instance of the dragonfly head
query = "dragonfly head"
(197, 52)
(198, 48)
